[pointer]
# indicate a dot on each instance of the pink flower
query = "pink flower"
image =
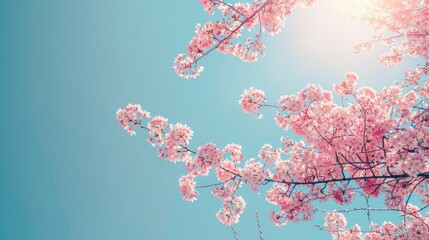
(348, 85)
(227, 190)
(232, 208)
(226, 171)
(131, 116)
(208, 5)
(176, 143)
(207, 156)
(253, 173)
(235, 151)
(267, 155)
(185, 67)
(252, 99)
(157, 127)
(187, 188)
(335, 220)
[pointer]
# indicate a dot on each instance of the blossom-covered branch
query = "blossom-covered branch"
(403, 21)
(378, 144)
(269, 15)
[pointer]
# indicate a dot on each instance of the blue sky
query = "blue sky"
(68, 170)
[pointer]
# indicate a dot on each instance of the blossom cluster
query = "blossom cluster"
(403, 25)
(131, 116)
(415, 227)
(172, 142)
(377, 145)
(251, 100)
(404, 22)
(269, 15)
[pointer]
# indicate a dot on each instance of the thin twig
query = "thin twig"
(235, 233)
(261, 236)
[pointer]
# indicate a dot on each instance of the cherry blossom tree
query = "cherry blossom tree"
(403, 20)
(375, 146)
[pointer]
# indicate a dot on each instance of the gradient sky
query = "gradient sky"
(69, 171)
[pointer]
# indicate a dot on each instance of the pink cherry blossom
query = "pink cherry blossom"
(176, 142)
(374, 145)
(267, 155)
(252, 99)
(131, 116)
(207, 156)
(399, 24)
(157, 128)
(235, 152)
(226, 171)
(269, 15)
(232, 208)
(348, 85)
(187, 188)
(335, 220)
(253, 173)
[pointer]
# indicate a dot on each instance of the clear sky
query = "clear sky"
(67, 168)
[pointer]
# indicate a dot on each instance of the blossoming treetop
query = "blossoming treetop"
(404, 21)
(376, 146)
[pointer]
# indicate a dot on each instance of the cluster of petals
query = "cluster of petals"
(207, 156)
(131, 116)
(391, 58)
(296, 207)
(335, 220)
(253, 173)
(402, 24)
(348, 85)
(362, 46)
(413, 76)
(226, 171)
(286, 143)
(186, 67)
(232, 208)
(209, 5)
(235, 152)
(270, 15)
(267, 155)
(282, 170)
(157, 127)
(176, 141)
(228, 189)
(250, 50)
(187, 187)
(341, 194)
(252, 99)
